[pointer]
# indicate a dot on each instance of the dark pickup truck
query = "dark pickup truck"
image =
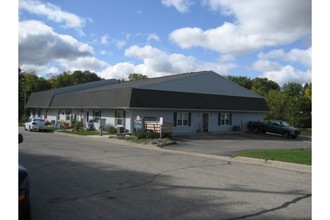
(274, 126)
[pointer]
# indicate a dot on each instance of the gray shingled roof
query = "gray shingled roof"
(205, 82)
(44, 99)
(198, 90)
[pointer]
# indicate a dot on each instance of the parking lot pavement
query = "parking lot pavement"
(224, 146)
(228, 144)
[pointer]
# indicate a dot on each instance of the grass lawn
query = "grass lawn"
(301, 156)
(306, 132)
(81, 132)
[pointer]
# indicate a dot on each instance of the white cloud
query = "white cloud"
(105, 40)
(227, 58)
(266, 65)
(258, 24)
(288, 74)
(295, 55)
(153, 37)
(118, 71)
(143, 52)
(180, 5)
(301, 56)
(40, 46)
(119, 43)
(53, 13)
(86, 63)
(269, 65)
(279, 53)
(158, 63)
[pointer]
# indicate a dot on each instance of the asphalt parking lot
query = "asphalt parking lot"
(228, 144)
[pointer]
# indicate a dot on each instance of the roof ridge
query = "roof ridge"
(177, 76)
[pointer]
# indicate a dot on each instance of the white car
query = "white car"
(36, 124)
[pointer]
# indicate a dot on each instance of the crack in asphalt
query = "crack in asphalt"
(153, 178)
(283, 206)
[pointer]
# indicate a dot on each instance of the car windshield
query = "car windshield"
(284, 123)
(38, 120)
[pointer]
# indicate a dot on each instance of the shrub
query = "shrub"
(140, 134)
(111, 129)
(78, 125)
(152, 135)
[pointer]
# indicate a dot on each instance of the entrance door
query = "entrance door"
(205, 122)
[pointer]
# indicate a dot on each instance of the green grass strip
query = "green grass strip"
(300, 156)
(82, 132)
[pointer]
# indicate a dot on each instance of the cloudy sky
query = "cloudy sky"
(114, 38)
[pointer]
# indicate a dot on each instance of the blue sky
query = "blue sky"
(115, 38)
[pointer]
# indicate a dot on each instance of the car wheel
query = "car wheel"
(286, 134)
(28, 211)
(30, 128)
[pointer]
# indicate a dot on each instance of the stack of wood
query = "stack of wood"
(155, 126)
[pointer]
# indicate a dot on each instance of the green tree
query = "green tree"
(277, 103)
(289, 104)
(64, 80)
(241, 80)
(75, 78)
(308, 91)
(29, 82)
(298, 110)
(293, 89)
(79, 77)
(262, 86)
(136, 76)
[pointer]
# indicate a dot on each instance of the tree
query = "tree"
(136, 76)
(242, 81)
(293, 89)
(79, 77)
(290, 105)
(308, 91)
(75, 78)
(299, 106)
(277, 103)
(262, 86)
(29, 82)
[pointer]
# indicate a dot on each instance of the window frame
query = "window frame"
(97, 116)
(120, 119)
(182, 119)
(225, 119)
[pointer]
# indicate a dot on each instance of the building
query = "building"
(191, 102)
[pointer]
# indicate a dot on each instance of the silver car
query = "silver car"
(36, 124)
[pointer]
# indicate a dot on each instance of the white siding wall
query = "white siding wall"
(238, 119)
(52, 114)
(109, 116)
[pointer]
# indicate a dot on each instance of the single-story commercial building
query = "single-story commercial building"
(190, 102)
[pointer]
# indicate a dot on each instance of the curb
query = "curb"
(273, 163)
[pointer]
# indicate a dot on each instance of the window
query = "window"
(68, 115)
(182, 118)
(120, 118)
(97, 116)
(224, 119)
